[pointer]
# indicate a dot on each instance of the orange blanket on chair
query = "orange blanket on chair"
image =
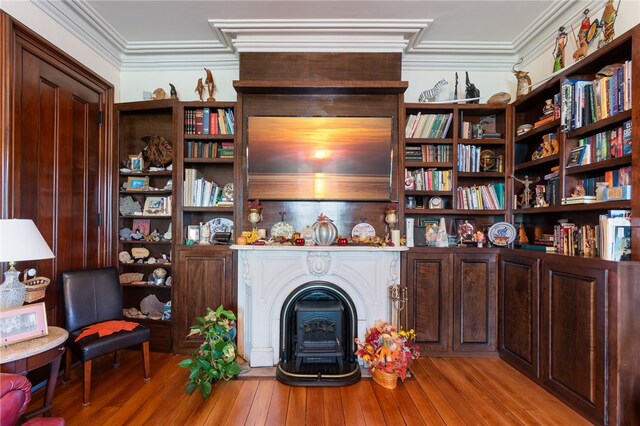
(106, 328)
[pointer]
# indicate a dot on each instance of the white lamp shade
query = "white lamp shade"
(21, 240)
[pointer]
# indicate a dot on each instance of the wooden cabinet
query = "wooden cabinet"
(205, 280)
(474, 302)
(573, 334)
(519, 316)
(452, 300)
(428, 284)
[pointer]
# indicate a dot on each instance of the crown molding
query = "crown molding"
(320, 35)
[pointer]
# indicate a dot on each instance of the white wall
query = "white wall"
(542, 66)
(38, 21)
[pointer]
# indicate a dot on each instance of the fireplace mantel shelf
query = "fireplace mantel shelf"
(319, 248)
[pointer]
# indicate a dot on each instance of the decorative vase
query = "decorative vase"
(254, 218)
(384, 379)
(325, 231)
(391, 217)
(548, 108)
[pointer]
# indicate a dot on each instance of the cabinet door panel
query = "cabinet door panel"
(519, 313)
(428, 282)
(574, 326)
(474, 303)
(205, 281)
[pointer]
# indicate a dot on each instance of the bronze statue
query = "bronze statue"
(455, 90)
(472, 91)
(211, 86)
(200, 89)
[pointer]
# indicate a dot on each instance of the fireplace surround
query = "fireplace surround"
(269, 275)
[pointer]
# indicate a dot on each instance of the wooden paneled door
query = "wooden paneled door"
(57, 157)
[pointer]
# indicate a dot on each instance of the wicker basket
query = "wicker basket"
(36, 288)
(384, 379)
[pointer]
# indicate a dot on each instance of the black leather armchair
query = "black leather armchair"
(90, 297)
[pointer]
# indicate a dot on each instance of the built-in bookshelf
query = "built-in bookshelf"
(207, 172)
(454, 164)
(145, 211)
(587, 175)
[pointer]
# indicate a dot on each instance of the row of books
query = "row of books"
(469, 158)
(427, 152)
(208, 121)
(428, 125)
(482, 197)
(587, 101)
(428, 180)
(200, 149)
(199, 192)
(615, 178)
(615, 235)
(575, 240)
(605, 145)
(552, 191)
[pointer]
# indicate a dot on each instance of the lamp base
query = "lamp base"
(12, 291)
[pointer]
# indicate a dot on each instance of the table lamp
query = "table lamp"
(19, 240)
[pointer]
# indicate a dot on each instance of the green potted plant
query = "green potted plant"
(215, 358)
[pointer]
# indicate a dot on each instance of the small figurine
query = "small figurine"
(200, 89)
(433, 94)
(455, 89)
(558, 52)
(524, 81)
(540, 196)
(472, 91)
(522, 235)
(174, 92)
(211, 86)
(609, 15)
(526, 196)
(581, 41)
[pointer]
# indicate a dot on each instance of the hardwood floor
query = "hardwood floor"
(443, 391)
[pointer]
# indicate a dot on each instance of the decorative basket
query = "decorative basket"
(384, 379)
(36, 288)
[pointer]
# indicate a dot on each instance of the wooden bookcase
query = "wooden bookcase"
(489, 171)
(132, 122)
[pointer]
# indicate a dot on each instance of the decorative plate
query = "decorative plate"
(282, 229)
(502, 233)
(220, 224)
(362, 229)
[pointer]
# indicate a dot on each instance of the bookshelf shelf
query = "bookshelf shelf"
(208, 209)
(535, 163)
(160, 173)
(487, 141)
(601, 206)
(538, 131)
(190, 160)
(431, 164)
(438, 193)
(158, 192)
(480, 174)
(600, 165)
(600, 125)
(228, 137)
(428, 141)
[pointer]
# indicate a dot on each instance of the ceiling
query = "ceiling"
(431, 34)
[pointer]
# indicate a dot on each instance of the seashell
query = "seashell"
(151, 260)
(124, 257)
(500, 98)
(129, 277)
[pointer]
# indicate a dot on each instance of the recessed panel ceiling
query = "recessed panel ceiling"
(162, 21)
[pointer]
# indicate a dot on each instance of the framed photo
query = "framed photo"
(465, 229)
(23, 323)
(136, 163)
(144, 225)
(156, 206)
(575, 156)
(430, 230)
(138, 183)
(427, 222)
(193, 233)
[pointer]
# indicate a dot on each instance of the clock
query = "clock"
(435, 203)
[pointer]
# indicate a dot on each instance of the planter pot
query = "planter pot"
(384, 379)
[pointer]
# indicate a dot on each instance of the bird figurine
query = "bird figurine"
(211, 86)
(174, 92)
(200, 89)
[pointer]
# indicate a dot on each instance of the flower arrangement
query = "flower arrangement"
(391, 207)
(387, 349)
(215, 358)
(254, 204)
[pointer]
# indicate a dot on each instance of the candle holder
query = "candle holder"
(254, 218)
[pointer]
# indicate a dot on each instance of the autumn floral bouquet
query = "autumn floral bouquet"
(388, 350)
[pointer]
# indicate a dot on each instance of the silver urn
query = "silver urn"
(325, 231)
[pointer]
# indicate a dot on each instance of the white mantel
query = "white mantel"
(267, 275)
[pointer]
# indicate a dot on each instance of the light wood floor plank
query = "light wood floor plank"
(260, 407)
(455, 391)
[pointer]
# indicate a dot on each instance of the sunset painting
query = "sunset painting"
(319, 158)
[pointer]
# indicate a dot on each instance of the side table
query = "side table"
(22, 357)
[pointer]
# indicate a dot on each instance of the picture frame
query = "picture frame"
(427, 222)
(576, 154)
(430, 230)
(144, 225)
(193, 233)
(465, 228)
(156, 206)
(138, 183)
(136, 163)
(23, 323)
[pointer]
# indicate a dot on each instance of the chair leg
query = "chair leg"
(145, 360)
(87, 383)
(116, 359)
(67, 367)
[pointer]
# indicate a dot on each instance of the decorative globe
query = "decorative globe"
(325, 231)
